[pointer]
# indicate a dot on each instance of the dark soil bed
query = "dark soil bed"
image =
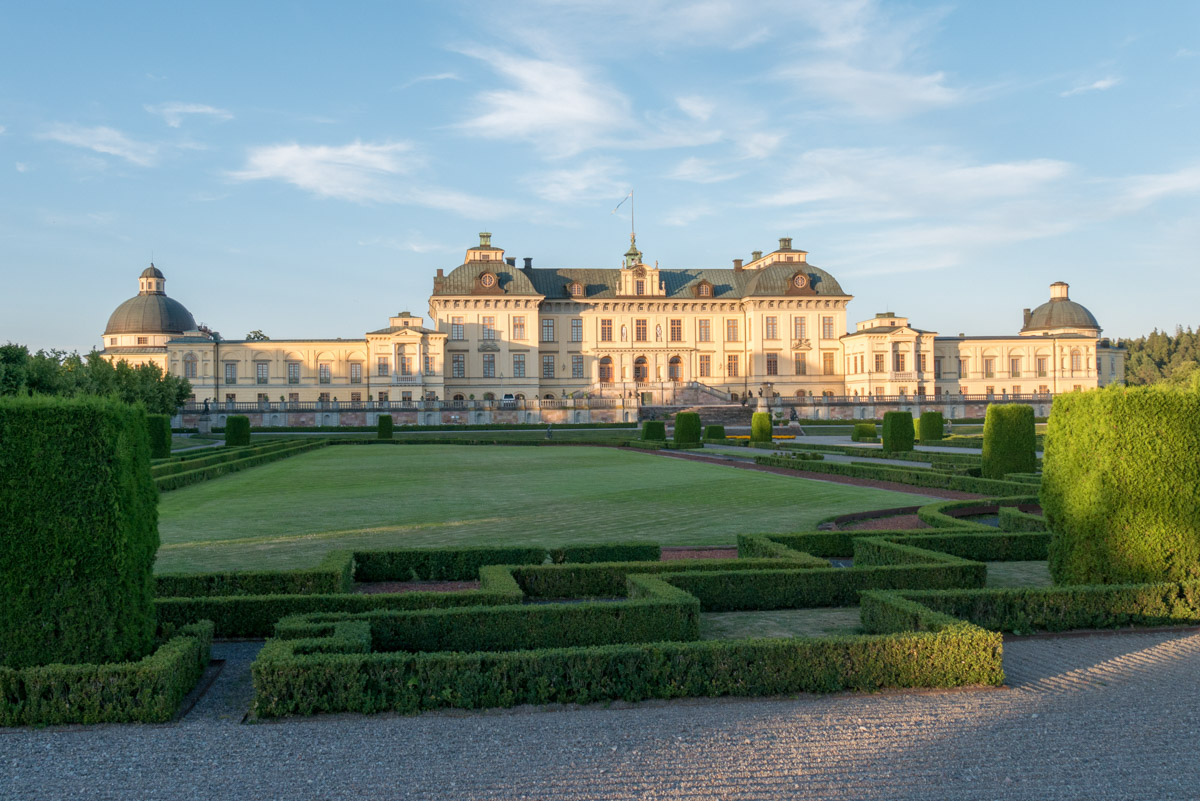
(683, 552)
(893, 523)
(373, 587)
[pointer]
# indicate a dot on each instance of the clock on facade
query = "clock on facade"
(799, 280)
(487, 280)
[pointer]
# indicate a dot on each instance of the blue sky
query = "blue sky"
(304, 168)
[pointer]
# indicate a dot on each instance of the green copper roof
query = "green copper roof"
(150, 314)
(1060, 313)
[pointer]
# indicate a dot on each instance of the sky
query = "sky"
(304, 169)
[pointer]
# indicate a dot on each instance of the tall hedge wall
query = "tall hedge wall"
(1121, 485)
(687, 427)
(897, 431)
(931, 426)
(863, 432)
(1009, 442)
(237, 430)
(78, 532)
(385, 426)
(760, 427)
(159, 426)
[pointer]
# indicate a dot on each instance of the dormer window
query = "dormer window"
(575, 289)
(485, 257)
(704, 290)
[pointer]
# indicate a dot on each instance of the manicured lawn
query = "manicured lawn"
(289, 513)
(1019, 574)
(781, 623)
(558, 435)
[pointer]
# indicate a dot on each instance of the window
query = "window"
(356, 397)
(1076, 362)
(458, 365)
(406, 398)
(772, 364)
(705, 291)
(606, 370)
(576, 290)
(324, 374)
(800, 328)
(1016, 389)
(230, 399)
(639, 287)
(262, 371)
(355, 373)
(143, 340)
(518, 326)
(489, 327)
(323, 397)
(1014, 368)
(705, 365)
(921, 363)
(1043, 390)
(1041, 366)
(456, 328)
(676, 330)
(189, 366)
(963, 364)
(576, 329)
(382, 368)
(293, 372)
(731, 365)
(731, 330)
(990, 391)
(293, 397)
(428, 365)
(489, 365)
(827, 363)
(879, 362)
(576, 366)
(518, 365)
(801, 365)
(900, 362)
(383, 397)
(548, 365)
(989, 367)
(230, 373)
(675, 369)
(771, 330)
(606, 331)
(937, 367)
(827, 328)
(548, 329)
(639, 330)
(703, 331)
(112, 340)
(262, 398)
(405, 365)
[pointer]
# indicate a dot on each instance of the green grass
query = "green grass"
(563, 435)
(827, 622)
(1018, 574)
(290, 513)
(189, 441)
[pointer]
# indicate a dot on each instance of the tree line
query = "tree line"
(65, 374)
(1161, 357)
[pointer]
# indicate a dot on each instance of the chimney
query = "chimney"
(528, 262)
(511, 261)
(1058, 291)
(485, 239)
(737, 264)
(440, 274)
(1027, 314)
(785, 243)
(756, 255)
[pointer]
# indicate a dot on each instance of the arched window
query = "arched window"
(459, 398)
(606, 370)
(641, 369)
(675, 368)
(189, 365)
(1076, 361)
(548, 396)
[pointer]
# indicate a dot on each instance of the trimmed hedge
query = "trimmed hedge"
(606, 552)
(334, 574)
(654, 431)
(714, 432)
(760, 427)
(196, 475)
(931, 425)
(237, 430)
(146, 691)
(78, 532)
(897, 431)
(159, 428)
(439, 564)
(1009, 442)
(687, 428)
(958, 459)
(213, 456)
(384, 426)
(1013, 519)
(914, 476)
(1121, 485)
(407, 428)
(864, 432)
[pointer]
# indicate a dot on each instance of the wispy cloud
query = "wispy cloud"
(1184, 52)
(103, 139)
(21, 166)
(2, 129)
(1095, 86)
(409, 245)
(441, 76)
(595, 179)
(698, 108)
(700, 171)
(174, 112)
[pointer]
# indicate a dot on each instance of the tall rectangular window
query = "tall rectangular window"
(879, 362)
(518, 326)
(800, 328)
(548, 329)
(676, 330)
(989, 368)
(639, 330)
(518, 365)
(639, 287)
(606, 330)
(704, 331)
(406, 365)
(771, 330)
(901, 362)
(457, 330)
(827, 363)
(801, 365)
(921, 362)
(576, 366)
(382, 367)
(576, 329)
(731, 330)
(963, 365)
(1014, 368)
(489, 365)
(731, 365)
(826, 328)
(428, 364)
(230, 373)
(458, 365)
(937, 367)
(323, 397)
(355, 373)
(293, 372)
(705, 365)
(383, 398)
(189, 366)
(356, 397)
(1041, 367)
(548, 365)
(262, 372)
(324, 373)
(489, 327)
(772, 364)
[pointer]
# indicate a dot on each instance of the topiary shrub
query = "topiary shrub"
(863, 432)
(714, 432)
(78, 532)
(237, 430)
(159, 426)
(931, 425)
(687, 428)
(1121, 485)
(760, 427)
(385, 426)
(897, 431)
(654, 431)
(1009, 442)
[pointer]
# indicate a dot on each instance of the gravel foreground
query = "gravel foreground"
(1094, 717)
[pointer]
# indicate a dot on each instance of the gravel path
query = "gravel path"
(1095, 717)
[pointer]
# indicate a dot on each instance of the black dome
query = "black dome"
(1060, 313)
(150, 314)
(152, 272)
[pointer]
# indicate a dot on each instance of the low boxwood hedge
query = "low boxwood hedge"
(334, 574)
(714, 432)
(196, 475)
(914, 476)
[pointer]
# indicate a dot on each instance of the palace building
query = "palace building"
(524, 343)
